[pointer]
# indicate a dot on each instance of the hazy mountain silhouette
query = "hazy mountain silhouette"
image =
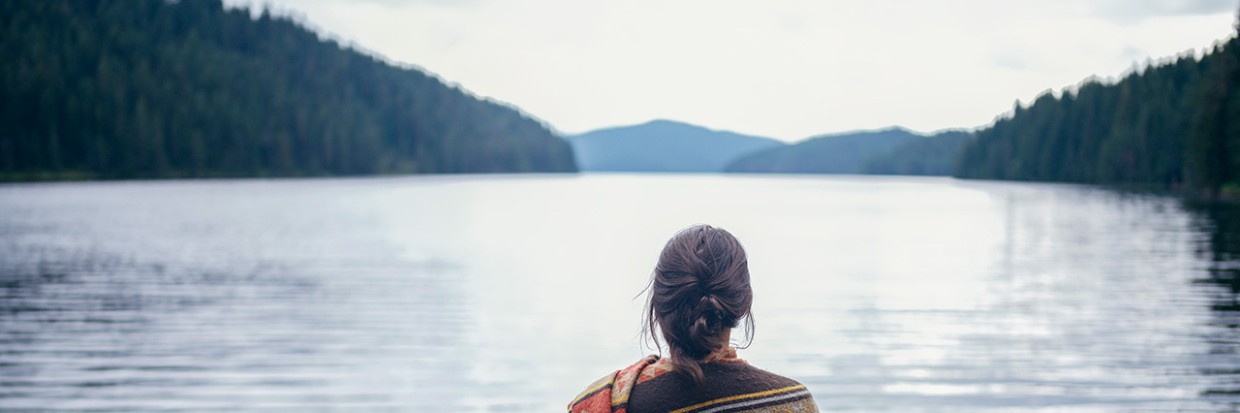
(844, 153)
(663, 146)
(931, 155)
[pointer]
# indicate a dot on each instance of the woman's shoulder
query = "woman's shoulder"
(760, 377)
(731, 386)
(612, 390)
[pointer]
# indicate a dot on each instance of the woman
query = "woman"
(699, 293)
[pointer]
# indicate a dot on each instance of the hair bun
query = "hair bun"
(709, 308)
(703, 337)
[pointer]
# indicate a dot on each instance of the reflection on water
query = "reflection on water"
(507, 293)
(1220, 245)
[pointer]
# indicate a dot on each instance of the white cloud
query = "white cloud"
(1126, 11)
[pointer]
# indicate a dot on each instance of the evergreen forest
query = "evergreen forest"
(108, 89)
(1169, 125)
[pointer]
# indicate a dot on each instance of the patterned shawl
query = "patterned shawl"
(610, 394)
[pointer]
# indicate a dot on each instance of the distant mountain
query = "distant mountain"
(663, 146)
(845, 153)
(932, 155)
(171, 89)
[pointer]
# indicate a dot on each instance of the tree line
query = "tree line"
(1173, 125)
(154, 88)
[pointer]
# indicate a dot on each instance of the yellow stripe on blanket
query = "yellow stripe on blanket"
(741, 397)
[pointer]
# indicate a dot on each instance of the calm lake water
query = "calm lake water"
(511, 293)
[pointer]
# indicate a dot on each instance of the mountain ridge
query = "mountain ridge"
(835, 153)
(662, 145)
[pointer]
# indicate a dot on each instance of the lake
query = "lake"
(511, 293)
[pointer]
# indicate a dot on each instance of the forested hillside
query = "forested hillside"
(155, 88)
(1174, 125)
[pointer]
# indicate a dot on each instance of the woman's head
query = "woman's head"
(699, 292)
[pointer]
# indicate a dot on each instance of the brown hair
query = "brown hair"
(699, 288)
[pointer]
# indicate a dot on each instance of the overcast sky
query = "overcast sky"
(777, 68)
